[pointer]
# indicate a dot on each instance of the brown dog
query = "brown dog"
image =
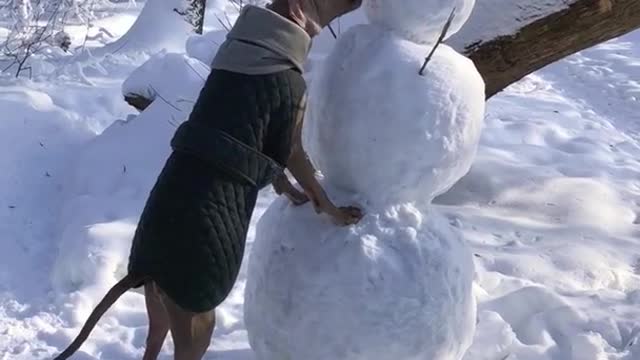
(208, 187)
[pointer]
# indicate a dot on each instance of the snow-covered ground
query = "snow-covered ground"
(551, 208)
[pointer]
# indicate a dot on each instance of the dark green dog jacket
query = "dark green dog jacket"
(191, 235)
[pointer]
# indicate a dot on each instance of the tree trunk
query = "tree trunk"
(549, 36)
(194, 14)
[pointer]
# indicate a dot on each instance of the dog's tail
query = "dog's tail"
(128, 282)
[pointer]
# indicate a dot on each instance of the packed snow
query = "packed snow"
(400, 282)
(418, 20)
(550, 207)
(396, 286)
(354, 121)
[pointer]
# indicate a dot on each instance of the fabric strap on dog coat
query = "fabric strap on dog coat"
(228, 154)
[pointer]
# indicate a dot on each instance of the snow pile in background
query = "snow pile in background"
(558, 277)
(107, 189)
(158, 27)
(44, 125)
(115, 172)
(36, 134)
(168, 77)
(204, 47)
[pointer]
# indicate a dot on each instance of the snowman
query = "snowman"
(390, 132)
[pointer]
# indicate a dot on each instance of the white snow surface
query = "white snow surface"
(172, 77)
(420, 21)
(369, 100)
(493, 18)
(396, 286)
(550, 208)
(399, 283)
(204, 47)
(158, 27)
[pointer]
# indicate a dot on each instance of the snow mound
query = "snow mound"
(108, 188)
(420, 21)
(174, 78)
(146, 35)
(370, 112)
(396, 286)
(582, 202)
(204, 47)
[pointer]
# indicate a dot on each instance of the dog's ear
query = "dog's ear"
(305, 14)
(296, 12)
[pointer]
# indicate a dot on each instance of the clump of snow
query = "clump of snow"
(420, 21)
(396, 286)
(169, 77)
(158, 27)
(106, 193)
(378, 128)
(204, 47)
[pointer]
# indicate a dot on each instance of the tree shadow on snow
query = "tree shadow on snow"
(236, 354)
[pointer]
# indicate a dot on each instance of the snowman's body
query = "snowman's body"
(398, 285)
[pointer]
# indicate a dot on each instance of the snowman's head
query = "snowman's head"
(313, 15)
(420, 21)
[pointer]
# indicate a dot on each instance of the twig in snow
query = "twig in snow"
(173, 122)
(332, 32)
(194, 70)
(163, 99)
(183, 100)
(440, 39)
(225, 26)
(229, 23)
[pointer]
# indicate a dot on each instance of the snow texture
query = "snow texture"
(171, 77)
(400, 282)
(396, 286)
(132, 171)
(378, 128)
(420, 21)
(158, 27)
(204, 47)
(98, 254)
(550, 208)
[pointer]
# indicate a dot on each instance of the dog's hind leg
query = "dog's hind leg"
(158, 322)
(191, 332)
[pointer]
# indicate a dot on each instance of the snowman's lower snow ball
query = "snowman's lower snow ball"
(397, 286)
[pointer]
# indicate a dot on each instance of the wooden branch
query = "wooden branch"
(585, 23)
